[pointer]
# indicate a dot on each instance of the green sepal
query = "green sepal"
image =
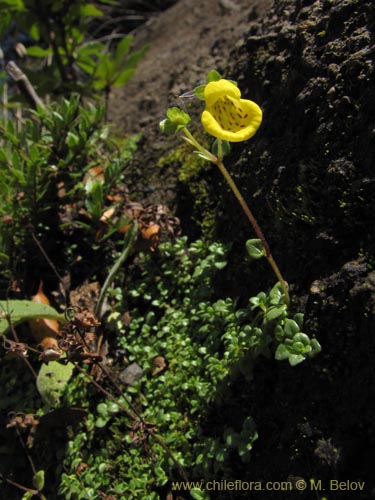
(225, 148)
(199, 92)
(213, 76)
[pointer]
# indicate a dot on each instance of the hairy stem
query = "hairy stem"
(218, 161)
(256, 227)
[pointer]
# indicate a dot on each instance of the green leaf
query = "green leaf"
(279, 333)
(282, 352)
(72, 140)
(101, 422)
(275, 312)
(34, 31)
(104, 70)
(177, 116)
(112, 407)
(316, 347)
(291, 328)
(38, 480)
(197, 494)
(102, 409)
(4, 259)
(15, 4)
(244, 448)
(167, 127)
(301, 337)
(51, 381)
(299, 348)
(276, 294)
(123, 77)
(90, 10)
(102, 467)
(28, 495)
(36, 51)
(134, 58)
(122, 49)
(298, 318)
(25, 310)
(95, 204)
(296, 359)
(255, 248)
(86, 63)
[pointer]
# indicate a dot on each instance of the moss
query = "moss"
(196, 202)
(189, 164)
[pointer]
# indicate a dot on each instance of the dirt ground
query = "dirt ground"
(186, 42)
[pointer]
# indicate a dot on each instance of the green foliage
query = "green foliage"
(42, 173)
(195, 189)
(115, 70)
(52, 380)
(255, 248)
(208, 345)
(60, 40)
(38, 480)
(25, 310)
(176, 120)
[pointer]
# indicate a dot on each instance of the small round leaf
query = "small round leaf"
(255, 248)
(38, 480)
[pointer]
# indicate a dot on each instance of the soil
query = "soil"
(309, 176)
(185, 42)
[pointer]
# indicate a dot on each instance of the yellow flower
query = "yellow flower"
(227, 116)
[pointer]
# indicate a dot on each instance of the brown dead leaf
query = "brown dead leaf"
(159, 365)
(45, 331)
(96, 173)
(126, 318)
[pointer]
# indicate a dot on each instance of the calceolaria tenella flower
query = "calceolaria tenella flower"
(227, 116)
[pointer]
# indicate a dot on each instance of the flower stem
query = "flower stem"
(218, 161)
(192, 140)
(256, 227)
